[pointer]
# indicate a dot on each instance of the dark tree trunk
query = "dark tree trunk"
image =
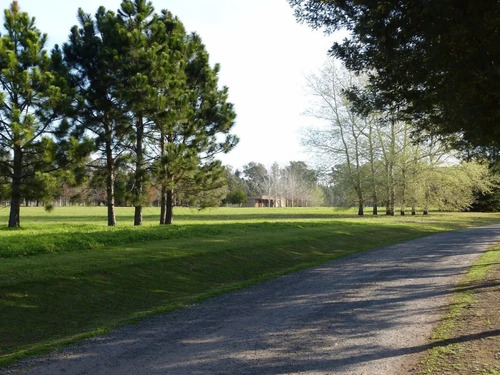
(139, 173)
(390, 209)
(163, 205)
(110, 185)
(413, 210)
(375, 209)
(169, 207)
(360, 209)
(138, 215)
(15, 202)
(163, 176)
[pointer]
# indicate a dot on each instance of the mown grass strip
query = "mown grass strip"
(69, 229)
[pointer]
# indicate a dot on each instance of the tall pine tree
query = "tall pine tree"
(138, 51)
(33, 96)
(93, 57)
(192, 139)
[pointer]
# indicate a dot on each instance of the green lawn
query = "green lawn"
(65, 275)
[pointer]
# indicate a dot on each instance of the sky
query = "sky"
(264, 53)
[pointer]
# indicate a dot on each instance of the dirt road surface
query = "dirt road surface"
(366, 314)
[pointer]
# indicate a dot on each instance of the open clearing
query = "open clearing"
(62, 279)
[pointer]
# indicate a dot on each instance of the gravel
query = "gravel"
(366, 314)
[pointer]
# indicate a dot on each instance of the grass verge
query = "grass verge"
(74, 288)
(467, 341)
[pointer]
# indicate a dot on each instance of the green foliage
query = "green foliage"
(436, 61)
(237, 196)
(256, 176)
(374, 160)
(487, 201)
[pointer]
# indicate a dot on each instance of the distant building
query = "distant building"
(266, 201)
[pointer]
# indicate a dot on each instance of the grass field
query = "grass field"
(65, 275)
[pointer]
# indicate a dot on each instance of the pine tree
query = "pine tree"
(137, 52)
(204, 132)
(91, 54)
(33, 96)
(191, 117)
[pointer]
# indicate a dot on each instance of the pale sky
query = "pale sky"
(264, 56)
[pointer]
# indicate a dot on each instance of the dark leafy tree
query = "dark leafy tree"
(235, 188)
(302, 171)
(436, 62)
(255, 177)
(237, 196)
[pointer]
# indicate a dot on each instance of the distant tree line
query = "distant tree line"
(371, 158)
(130, 102)
(296, 183)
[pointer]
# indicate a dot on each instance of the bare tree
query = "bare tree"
(341, 140)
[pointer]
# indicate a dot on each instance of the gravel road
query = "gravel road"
(366, 314)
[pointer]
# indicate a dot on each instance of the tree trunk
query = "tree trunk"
(170, 207)
(426, 205)
(390, 192)
(139, 173)
(392, 160)
(373, 170)
(163, 176)
(15, 202)
(392, 202)
(138, 215)
(413, 210)
(14, 217)
(360, 209)
(110, 185)
(163, 205)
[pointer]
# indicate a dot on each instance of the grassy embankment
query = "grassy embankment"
(65, 275)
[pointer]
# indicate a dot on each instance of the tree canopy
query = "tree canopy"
(436, 62)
